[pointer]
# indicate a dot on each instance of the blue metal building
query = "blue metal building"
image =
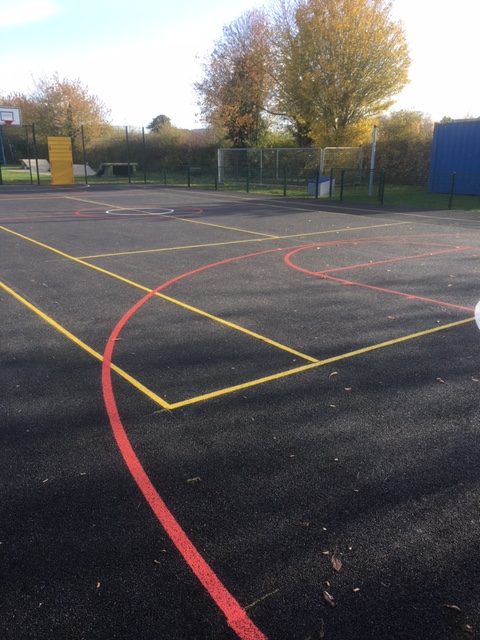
(456, 150)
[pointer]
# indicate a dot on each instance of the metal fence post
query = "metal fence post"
(317, 183)
(284, 181)
(381, 187)
(342, 180)
(452, 189)
(330, 186)
(144, 158)
(34, 138)
(128, 155)
(84, 154)
(188, 176)
(27, 144)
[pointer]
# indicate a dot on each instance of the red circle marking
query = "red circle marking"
(325, 274)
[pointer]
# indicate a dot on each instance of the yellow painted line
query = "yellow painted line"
(100, 204)
(319, 233)
(53, 323)
(208, 224)
(319, 363)
(232, 325)
(174, 301)
(228, 390)
(163, 249)
(220, 244)
(268, 236)
(244, 385)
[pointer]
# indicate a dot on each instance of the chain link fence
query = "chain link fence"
(133, 156)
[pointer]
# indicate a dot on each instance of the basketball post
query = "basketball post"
(6, 122)
(8, 116)
(3, 159)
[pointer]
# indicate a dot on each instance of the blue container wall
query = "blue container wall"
(456, 149)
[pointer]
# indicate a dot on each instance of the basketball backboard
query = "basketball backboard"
(10, 116)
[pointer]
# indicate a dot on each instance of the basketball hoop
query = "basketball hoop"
(10, 116)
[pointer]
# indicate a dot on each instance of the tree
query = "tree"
(404, 144)
(339, 62)
(59, 107)
(63, 106)
(406, 125)
(158, 123)
(236, 80)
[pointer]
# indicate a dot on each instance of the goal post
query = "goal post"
(271, 165)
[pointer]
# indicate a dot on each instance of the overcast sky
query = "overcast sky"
(141, 58)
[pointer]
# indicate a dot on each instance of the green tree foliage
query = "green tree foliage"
(58, 107)
(339, 62)
(62, 106)
(170, 149)
(404, 144)
(158, 123)
(236, 83)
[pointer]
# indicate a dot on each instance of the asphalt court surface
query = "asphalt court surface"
(229, 416)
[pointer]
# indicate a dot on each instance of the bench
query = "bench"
(117, 169)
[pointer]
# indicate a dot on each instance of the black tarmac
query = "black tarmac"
(308, 411)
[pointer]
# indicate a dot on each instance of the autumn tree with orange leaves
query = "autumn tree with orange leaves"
(236, 83)
(327, 68)
(340, 62)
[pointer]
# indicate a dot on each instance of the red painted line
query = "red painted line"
(362, 285)
(37, 217)
(234, 613)
(376, 263)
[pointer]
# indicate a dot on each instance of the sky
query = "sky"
(141, 58)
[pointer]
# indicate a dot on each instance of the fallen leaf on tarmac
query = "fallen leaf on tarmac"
(98, 585)
(336, 562)
(475, 380)
(318, 634)
(356, 590)
(157, 562)
(329, 599)
(468, 628)
(194, 480)
(391, 317)
(452, 607)
(321, 631)
(440, 380)
(333, 374)
(348, 388)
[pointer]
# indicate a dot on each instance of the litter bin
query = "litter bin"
(323, 187)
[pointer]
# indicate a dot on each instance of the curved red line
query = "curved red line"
(376, 263)
(354, 283)
(235, 615)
